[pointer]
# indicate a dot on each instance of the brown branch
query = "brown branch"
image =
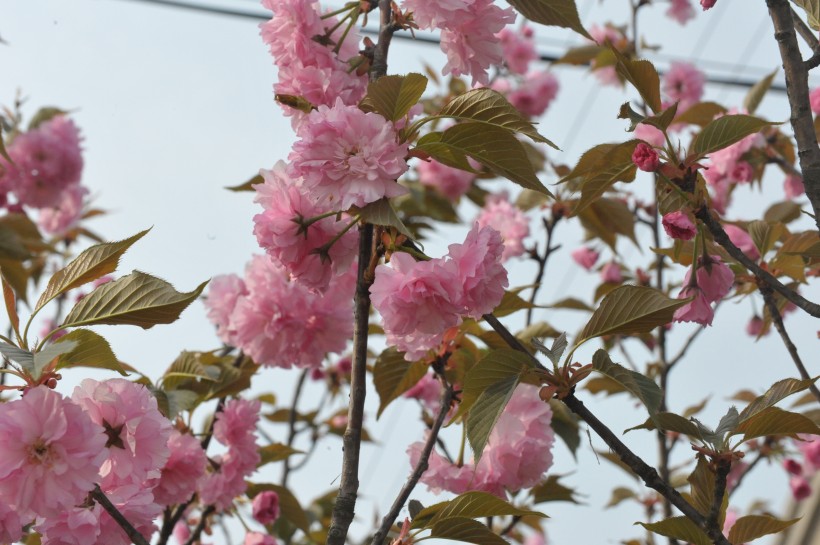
(805, 32)
(648, 474)
(721, 472)
(100, 497)
(762, 275)
(797, 88)
(345, 504)
(418, 471)
(292, 423)
(511, 340)
(777, 321)
(197, 533)
(549, 225)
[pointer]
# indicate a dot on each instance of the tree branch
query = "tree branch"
(721, 472)
(762, 275)
(797, 88)
(197, 533)
(777, 321)
(418, 471)
(100, 497)
(292, 423)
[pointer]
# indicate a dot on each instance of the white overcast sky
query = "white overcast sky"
(175, 105)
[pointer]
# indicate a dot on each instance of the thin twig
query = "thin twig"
(777, 321)
(100, 497)
(722, 238)
(292, 423)
(745, 472)
(509, 338)
(549, 225)
(805, 32)
(197, 533)
(685, 348)
(418, 471)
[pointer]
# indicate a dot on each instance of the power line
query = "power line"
(546, 57)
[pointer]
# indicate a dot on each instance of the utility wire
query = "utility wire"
(546, 57)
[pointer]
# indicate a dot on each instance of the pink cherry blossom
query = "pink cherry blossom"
(585, 257)
(282, 323)
(755, 326)
(223, 293)
(715, 278)
(451, 182)
(75, 526)
(810, 447)
(428, 391)
(742, 172)
(645, 157)
(518, 48)
(793, 186)
(236, 424)
(258, 538)
(266, 507)
(278, 231)
(441, 474)
(11, 527)
(699, 310)
(611, 272)
(185, 466)
(536, 538)
(137, 432)
(50, 453)
(181, 532)
(470, 42)
(814, 100)
(480, 273)
(707, 4)
(650, 134)
(742, 240)
(607, 75)
(508, 220)
(535, 93)
(681, 11)
(683, 83)
(66, 214)
(724, 161)
(436, 14)
(801, 489)
(348, 157)
(679, 225)
(792, 466)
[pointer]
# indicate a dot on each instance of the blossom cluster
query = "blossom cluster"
(801, 473)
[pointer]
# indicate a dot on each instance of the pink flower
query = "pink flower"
(480, 273)
(11, 527)
(699, 310)
(266, 507)
(137, 432)
(518, 48)
(650, 134)
(793, 186)
(279, 233)
(436, 14)
(137, 505)
(223, 293)
(451, 182)
(810, 450)
(47, 160)
(725, 160)
(814, 100)
(257, 538)
(681, 11)
(470, 43)
(585, 257)
(683, 83)
(742, 240)
(185, 466)
(679, 225)
(611, 272)
(428, 391)
(75, 526)
(236, 424)
(441, 474)
(607, 75)
(181, 532)
(508, 220)
(707, 4)
(348, 157)
(801, 489)
(66, 214)
(792, 466)
(715, 278)
(645, 157)
(536, 538)
(755, 326)
(50, 453)
(535, 94)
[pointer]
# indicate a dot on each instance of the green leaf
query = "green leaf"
(92, 350)
(91, 264)
(275, 452)
(393, 96)
(511, 302)
(11, 245)
(607, 218)
(485, 413)
(247, 186)
(702, 487)
(757, 92)
(630, 310)
(764, 234)
(626, 112)
(560, 13)
(679, 528)
(494, 147)
(466, 530)
(701, 114)
(187, 369)
(616, 166)
(812, 9)
(775, 421)
(640, 386)
(663, 119)
(490, 108)
(552, 490)
(381, 213)
(751, 527)
(620, 494)
(291, 510)
(393, 375)
(670, 422)
(497, 366)
(777, 392)
(643, 76)
(43, 115)
(173, 402)
(725, 131)
(469, 505)
(18, 355)
(554, 353)
(136, 299)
